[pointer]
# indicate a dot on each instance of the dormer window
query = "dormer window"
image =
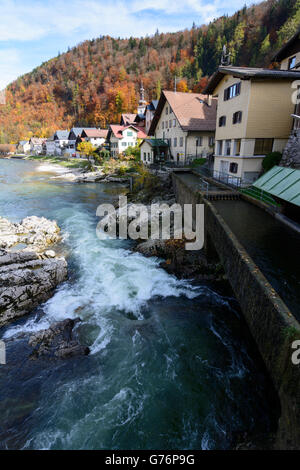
(292, 62)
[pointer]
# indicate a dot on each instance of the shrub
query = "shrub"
(271, 160)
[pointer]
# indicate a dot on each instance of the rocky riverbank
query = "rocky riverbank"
(29, 271)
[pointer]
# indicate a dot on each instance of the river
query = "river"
(172, 365)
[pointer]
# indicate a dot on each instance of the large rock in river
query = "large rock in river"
(26, 280)
(58, 341)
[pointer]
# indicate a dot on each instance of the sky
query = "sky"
(33, 31)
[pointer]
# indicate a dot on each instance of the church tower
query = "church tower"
(142, 103)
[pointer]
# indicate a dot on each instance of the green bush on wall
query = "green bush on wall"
(271, 160)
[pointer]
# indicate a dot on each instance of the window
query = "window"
(170, 124)
(220, 147)
(174, 122)
(222, 121)
(263, 146)
(145, 156)
(167, 110)
(181, 141)
(175, 141)
(233, 168)
(199, 142)
(228, 147)
(149, 158)
(163, 125)
(130, 134)
(292, 62)
(237, 147)
(237, 117)
(124, 144)
(166, 124)
(232, 91)
(211, 141)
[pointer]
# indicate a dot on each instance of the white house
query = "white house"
(188, 122)
(36, 145)
(97, 137)
(50, 146)
(23, 146)
(122, 137)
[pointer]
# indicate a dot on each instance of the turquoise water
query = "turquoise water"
(171, 365)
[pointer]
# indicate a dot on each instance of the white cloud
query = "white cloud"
(10, 66)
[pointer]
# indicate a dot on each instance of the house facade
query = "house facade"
(289, 59)
(154, 151)
(24, 147)
(36, 145)
(253, 118)
(188, 122)
(122, 137)
(149, 114)
(96, 137)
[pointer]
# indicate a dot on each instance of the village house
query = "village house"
(49, 146)
(75, 132)
(187, 122)
(36, 145)
(122, 137)
(253, 119)
(23, 147)
(149, 114)
(289, 59)
(97, 137)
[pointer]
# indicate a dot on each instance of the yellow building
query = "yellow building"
(289, 59)
(253, 118)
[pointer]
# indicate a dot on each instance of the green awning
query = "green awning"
(281, 182)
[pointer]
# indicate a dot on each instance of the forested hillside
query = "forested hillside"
(94, 82)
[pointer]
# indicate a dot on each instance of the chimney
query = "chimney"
(209, 100)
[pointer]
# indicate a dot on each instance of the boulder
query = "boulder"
(36, 232)
(59, 341)
(26, 280)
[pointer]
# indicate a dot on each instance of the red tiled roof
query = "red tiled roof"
(191, 110)
(118, 131)
(95, 133)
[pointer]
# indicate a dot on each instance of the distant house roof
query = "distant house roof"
(290, 47)
(118, 131)
(37, 141)
(127, 118)
(94, 133)
(249, 73)
(62, 135)
(152, 106)
(77, 130)
(281, 182)
(191, 110)
(155, 142)
(23, 142)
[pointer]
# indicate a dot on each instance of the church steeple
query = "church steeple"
(142, 102)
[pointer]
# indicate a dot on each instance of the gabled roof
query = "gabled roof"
(128, 118)
(288, 48)
(37, 141)
(118, 131)
(191, 110)
(77, 130)
(155, 142)
(94, 133)
(62, 135)
(281, 182)
(249, 73)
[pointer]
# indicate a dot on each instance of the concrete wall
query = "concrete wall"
(271, 323)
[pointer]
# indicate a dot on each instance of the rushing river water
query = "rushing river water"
(171, 365)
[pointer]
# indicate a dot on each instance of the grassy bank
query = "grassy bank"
(72, 163)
